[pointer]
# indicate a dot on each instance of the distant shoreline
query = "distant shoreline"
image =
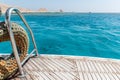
(67, 12)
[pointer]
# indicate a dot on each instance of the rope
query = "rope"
(9, 66)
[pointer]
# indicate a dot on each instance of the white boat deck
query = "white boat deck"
(71, 68)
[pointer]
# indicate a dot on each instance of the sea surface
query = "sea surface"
(78, 34)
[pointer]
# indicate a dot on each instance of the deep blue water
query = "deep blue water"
(83, 34)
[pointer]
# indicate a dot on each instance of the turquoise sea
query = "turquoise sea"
(78, 34)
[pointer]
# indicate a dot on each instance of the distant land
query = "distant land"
(4, 7)
(42, 10)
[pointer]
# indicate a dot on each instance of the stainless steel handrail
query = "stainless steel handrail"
(8, 23)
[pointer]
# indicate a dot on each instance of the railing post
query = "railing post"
(9, 11)
(8, 23)
(26, 24)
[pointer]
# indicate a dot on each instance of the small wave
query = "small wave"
(76, 34)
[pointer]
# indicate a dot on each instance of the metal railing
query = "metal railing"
(8, 23)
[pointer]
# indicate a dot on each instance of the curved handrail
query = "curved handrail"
(8, 17)
(8, 23)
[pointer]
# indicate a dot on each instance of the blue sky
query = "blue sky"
(69, 5)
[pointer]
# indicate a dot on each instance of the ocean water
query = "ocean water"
(78, 34)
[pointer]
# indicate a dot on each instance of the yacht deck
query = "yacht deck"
(48, 67)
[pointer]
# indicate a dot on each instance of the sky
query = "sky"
(68, 5)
